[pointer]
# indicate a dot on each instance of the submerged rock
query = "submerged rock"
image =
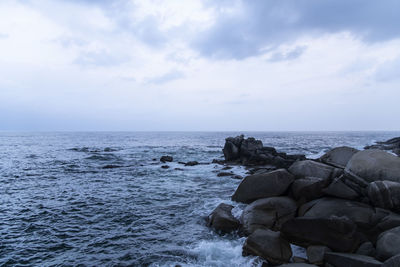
(269, 245)
(164, 159)
(268, 213)
(264, 185)
(374, 165)
(191, 163)
(221, 219)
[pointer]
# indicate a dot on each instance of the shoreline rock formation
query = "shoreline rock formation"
(343, 207)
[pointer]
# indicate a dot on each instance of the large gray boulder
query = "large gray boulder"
(263, 185)
(312, 168)
(385, 194)
(221, 219)
(308, 188)
(392, 262)
(268, 245)
(339, 156)
(337, 233)
(338, 188)
(374, 165)
(358, 212)
(351, 260)
(388, 244)
(268, 213)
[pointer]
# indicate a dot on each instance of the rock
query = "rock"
(385, 194)
(111, 166)
(226, 168)
(221, 219)
(297, 265)
(391, 144)
(191, 163)
(164, 159)
(231, 149)
(338, 188)
(268, 213)
(179, 169)
(238, 177)
(296, 259)
(312, 168)
(263, 185)
(315, 254)
(388, 244)
(308, 188)
(382, 221)
(339, 156)
(367, 249)
(337, 233)
(269, 245)
(222, 174)
(357, 212)
(374, 165)
(165, 166)
(352, 260)
(392, 262)
(249, 147)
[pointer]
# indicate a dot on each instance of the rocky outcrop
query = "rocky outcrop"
(269, 245)
(391, 144)
(221, 219)
(268, 213)
(252, 152)
(264, 185)
(374, 165)
(347, 259)
(385, 194)
(337, 233)
(310, 168)
(339, 156)
(388, 244)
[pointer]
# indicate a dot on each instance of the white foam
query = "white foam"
(222, 253)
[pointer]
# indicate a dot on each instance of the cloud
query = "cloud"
(288, 55)
(100, 58)
(388, 71)
(167, 77)
(3, 36)
(249, 27)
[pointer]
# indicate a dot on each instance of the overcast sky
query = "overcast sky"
(200, 65)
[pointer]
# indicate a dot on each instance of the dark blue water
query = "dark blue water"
(99, 199)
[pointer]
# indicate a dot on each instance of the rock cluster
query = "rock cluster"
(343, 207)
(252, 152)
(391, 145)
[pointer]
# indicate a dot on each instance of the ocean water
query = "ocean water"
(102, 198)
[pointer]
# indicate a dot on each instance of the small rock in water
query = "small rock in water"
(164, 159)
(178, 169)
(191, 163)
(221, 219)
(110, 166)
(226, 168)
(165, 166)
(222, 174)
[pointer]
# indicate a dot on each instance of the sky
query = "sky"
(211, 65)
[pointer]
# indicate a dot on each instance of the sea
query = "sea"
(103, 199)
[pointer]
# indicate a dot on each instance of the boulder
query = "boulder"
(308, 188)
(392, 262)
(315, 254)
(264, 185)
(268, 213)
(164, 159)
(338, 188)
(339, 156)
(337, 233)
(374, 165)
(231, 149)
(221, 219)
(358, 212)
(367, 249)
(382, 220)
(353, 260)
(385, 194)
(268, 245)
(388, 244)
(249, 147)
(312, 168)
